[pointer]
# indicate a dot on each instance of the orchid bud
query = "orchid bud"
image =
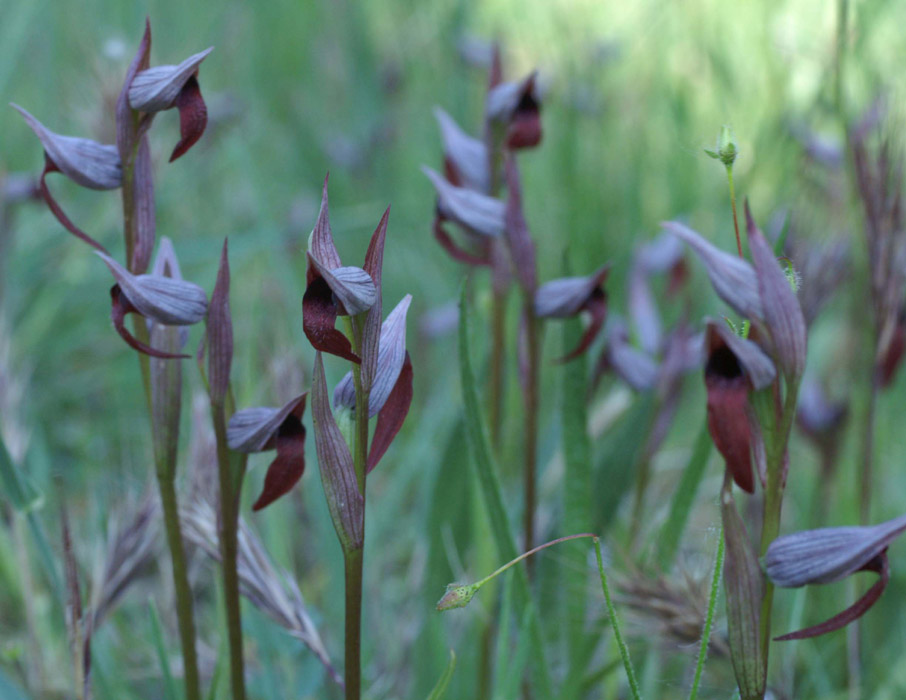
(344, 500)
(166, 377)
(568, 296)
(782, 314)
(264, 429)
(744, 585)
(831, 554)
(465, 157)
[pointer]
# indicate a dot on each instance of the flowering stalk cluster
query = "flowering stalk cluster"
(162, 302)
(752, 385)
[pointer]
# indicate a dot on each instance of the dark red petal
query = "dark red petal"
(50, 167)
(597, 307)
(287, 468)
(319, 315)
(455, 251)
(193, 116)
(525, 129)
(729, 426)
(451, 172)
(880, 565)
(121, 306)
(391, 417)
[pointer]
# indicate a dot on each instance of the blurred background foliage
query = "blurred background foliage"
(633, 93)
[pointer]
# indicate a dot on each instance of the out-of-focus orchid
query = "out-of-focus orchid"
(568, 296)
(831, 554)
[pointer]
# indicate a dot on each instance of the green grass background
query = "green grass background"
(633, 93)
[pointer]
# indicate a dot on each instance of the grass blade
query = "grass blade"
(683, 498)
(486, 471)
(615, 624)
(709, 619)
(444, 679)
(157, 634)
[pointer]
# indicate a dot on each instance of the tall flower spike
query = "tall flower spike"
(83, 161)
(168, 301)
(164, 87)
(734, 367)
(569, 296)
(733, 279)
(332, 291)
(831, 554)
(516, 108)
(264, 429)
(135, 155)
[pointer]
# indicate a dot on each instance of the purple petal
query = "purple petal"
(255, 429)
(371, 334)
(474, 211)
(392, 415)
(468, 156)
(156, 89)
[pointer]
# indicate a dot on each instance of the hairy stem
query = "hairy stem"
(709, 618)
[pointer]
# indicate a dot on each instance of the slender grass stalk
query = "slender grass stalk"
(709, 618)
(230, 475)
(615, 624)
(354, 558)
(498, 347)
(733, 206)
(530, 436)
(865, 474)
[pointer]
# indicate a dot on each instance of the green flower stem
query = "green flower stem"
(776, 440)
(614, 623)
(354, 558)
(230, 470)
(530, 435)
(166, 473)
(733, 205)
(709, 618)
(498, 346)
(526, 555)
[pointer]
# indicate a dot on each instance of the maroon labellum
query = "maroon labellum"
(86, 162)
(516, 107)
(334, 290)
(164, 87)
(831, 554)
(264, 429)
(734, 367)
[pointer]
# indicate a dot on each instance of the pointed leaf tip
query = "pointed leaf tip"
(220, 331)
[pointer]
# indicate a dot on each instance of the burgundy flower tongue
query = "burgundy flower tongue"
(319, 317)
(880, 566)
(122, 306)
(514, 106)
(262, 429)
(193, 117)
(734, 367)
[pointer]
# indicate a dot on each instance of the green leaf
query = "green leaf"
(683, 498)
(709, 619)
(170, 690)
(444, 679)
(486, 471)
(577, 505)
(620, 452)
(18, 490)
